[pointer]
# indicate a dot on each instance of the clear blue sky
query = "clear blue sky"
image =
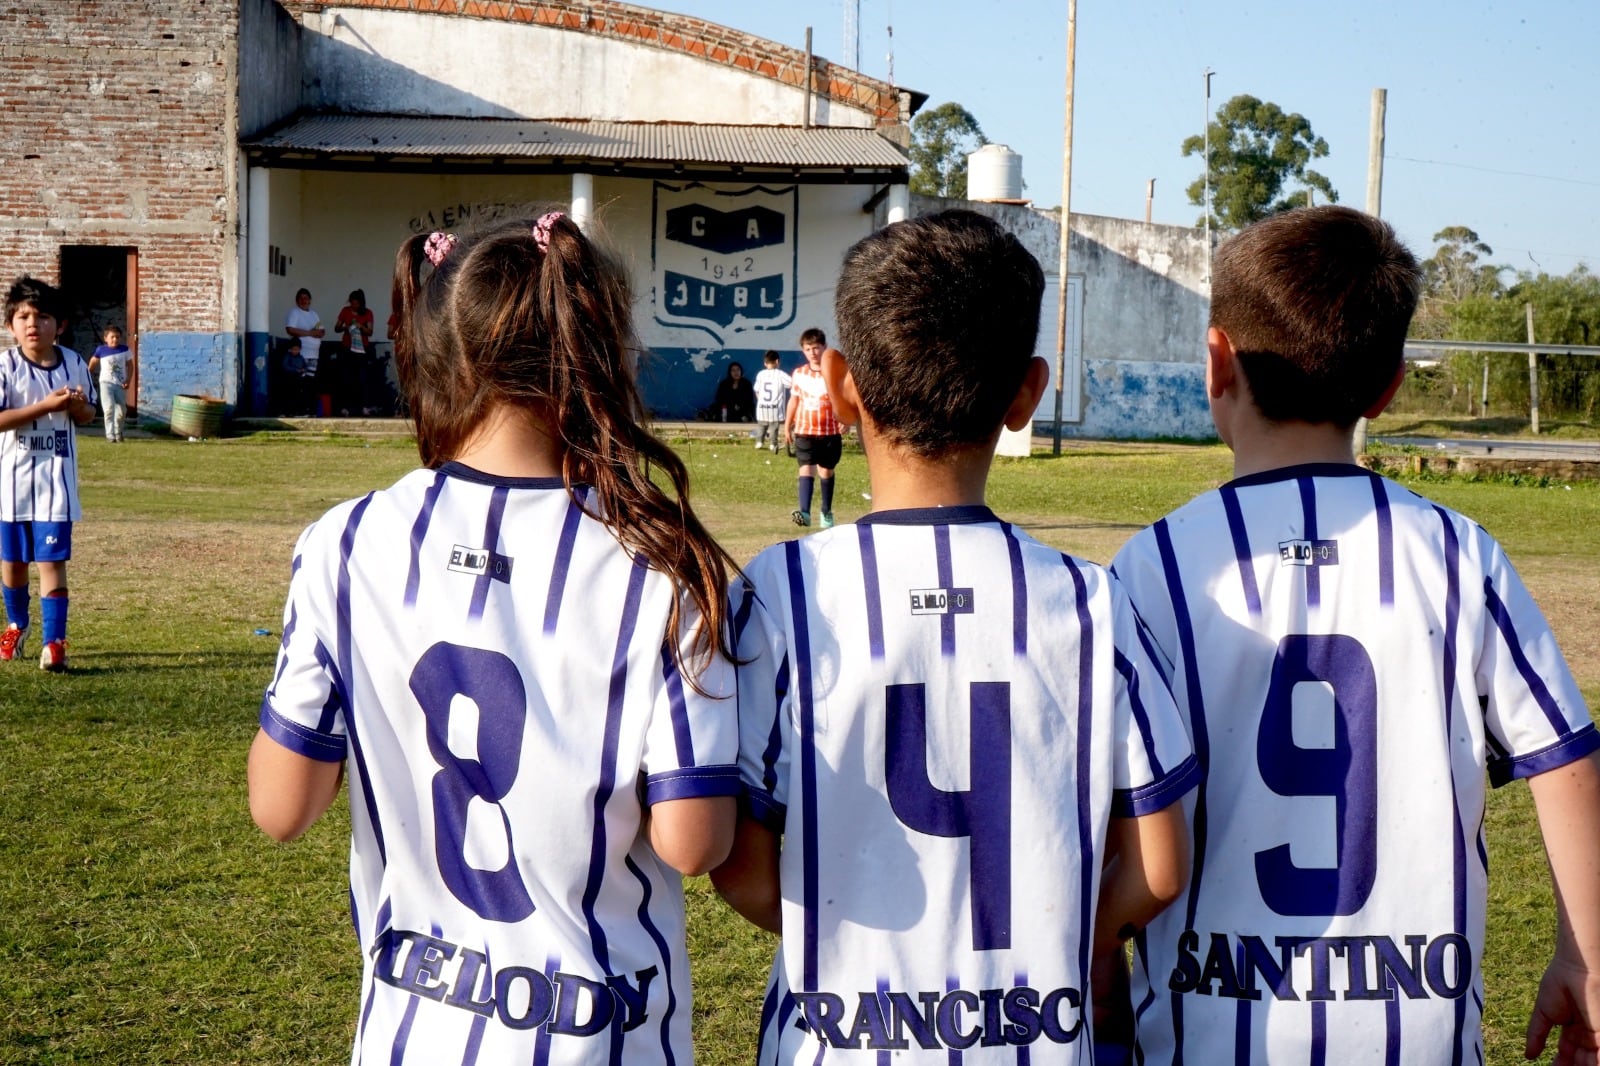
(1491, 103)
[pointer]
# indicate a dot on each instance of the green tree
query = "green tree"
(1256, 150)
(1457, 269)
(941, 139)
(1566, 310)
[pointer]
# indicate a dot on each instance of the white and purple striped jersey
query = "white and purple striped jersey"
(772, 394)
(495, 667)
(39, 460)
(1352, 659)
(940, 714)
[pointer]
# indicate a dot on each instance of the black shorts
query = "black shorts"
(818, 451)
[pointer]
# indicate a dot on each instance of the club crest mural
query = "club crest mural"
(724, 261)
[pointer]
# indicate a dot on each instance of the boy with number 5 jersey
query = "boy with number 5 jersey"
(1353, 660)
(940, 716)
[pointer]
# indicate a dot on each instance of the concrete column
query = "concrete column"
(899, 203)
(258, 354)
(582, 199)
(257, 273)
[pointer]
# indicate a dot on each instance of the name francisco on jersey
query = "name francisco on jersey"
(1315, 968)
(954, 1018)
(520, 996)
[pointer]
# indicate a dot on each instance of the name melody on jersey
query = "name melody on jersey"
(1313, 968)
(520, 996)
(954, 1018)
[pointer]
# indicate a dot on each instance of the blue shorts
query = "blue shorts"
(35, 542)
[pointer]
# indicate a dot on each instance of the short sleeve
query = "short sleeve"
(1535, 719)
(692, 740)
(303, 709)
(1154, 756)
(763, 705)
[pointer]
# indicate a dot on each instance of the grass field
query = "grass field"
(144, 919)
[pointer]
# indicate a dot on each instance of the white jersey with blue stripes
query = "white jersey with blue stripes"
(495, 668)
(940, 714)
(1353, 660)
(39, 460)
(772, 394)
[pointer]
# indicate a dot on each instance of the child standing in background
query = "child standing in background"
(772, 400)
(45, 392)
(520, 656)
(809, 424)
(110, 361)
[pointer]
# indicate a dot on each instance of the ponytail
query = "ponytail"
(535, 315)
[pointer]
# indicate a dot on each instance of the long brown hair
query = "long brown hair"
(545, 323)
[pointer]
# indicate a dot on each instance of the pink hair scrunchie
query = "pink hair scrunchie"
(541, 229)
(438, 246)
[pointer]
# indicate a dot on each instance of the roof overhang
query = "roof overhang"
(434, 145)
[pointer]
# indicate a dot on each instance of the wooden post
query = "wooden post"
(1374, 207)
(1533, 374)
(1066, 218)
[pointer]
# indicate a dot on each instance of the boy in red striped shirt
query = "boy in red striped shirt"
(810, 427)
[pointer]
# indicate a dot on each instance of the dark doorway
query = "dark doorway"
(102, 286)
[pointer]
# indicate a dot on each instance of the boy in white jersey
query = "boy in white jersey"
(45, 392)
(1353, 659)
(772, 402)
(939, 714)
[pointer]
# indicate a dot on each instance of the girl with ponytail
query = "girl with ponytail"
(519, 653)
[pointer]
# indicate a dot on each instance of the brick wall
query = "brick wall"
(116, 133)
(660, 29)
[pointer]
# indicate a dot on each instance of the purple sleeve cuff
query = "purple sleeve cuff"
(765, 810)
(1158, 795)
(694, 782)
(1569, 748)
(323, 747)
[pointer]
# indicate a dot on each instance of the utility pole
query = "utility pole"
(1533, 374)
(1207, 197)
(1149, 198)
(1380, 98)
(1066, 216)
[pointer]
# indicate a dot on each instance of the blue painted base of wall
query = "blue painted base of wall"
(258, 352)
(188, 364)
(680, 382)
(1137, 401)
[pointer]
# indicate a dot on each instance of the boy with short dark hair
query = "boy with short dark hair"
(45, 390)
(110, 364)
(772, 401)
(940, 716)
(812, 428)
(1353, 659)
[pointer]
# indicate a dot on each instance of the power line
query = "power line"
(1493, 170)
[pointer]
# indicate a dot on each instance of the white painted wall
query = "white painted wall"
(342, 231)
(416, 63)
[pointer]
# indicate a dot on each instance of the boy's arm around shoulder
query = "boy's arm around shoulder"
(1568, 803)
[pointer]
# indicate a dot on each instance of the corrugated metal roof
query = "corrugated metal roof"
(625, 142)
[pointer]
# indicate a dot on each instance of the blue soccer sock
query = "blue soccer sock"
(803, 491)
(53, 615)
(827, 495)
(17, 606)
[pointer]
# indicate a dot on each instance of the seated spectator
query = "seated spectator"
(736, 398)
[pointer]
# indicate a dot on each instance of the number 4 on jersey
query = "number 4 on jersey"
(981, 812)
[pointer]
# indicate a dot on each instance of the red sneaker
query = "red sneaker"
(54, 657)
(11, 642)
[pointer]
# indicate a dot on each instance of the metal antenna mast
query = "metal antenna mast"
(852, 33)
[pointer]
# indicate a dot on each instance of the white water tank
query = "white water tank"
(994, 172)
